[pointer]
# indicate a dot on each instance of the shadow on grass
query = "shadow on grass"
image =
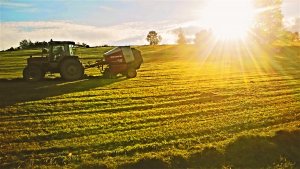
(147, 163)
(17, 90)
(245, 152)
(257, 152)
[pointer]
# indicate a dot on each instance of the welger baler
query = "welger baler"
(120, 60)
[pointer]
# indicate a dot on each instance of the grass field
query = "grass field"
(187, 108)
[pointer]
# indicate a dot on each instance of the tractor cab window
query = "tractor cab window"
(58, 51)
(71, 50)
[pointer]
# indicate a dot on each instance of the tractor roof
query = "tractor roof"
(62, 42)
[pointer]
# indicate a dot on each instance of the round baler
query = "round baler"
(122, 60)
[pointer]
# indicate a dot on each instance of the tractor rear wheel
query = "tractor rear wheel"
(71, 69)
(33, 73)
(131, 73)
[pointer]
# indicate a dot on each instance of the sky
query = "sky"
(112, 22)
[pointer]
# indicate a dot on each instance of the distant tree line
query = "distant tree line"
(78, 44)
(28, 44)
(204, 36)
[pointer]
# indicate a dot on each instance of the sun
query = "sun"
(228, 19)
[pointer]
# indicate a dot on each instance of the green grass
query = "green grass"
(185, 109)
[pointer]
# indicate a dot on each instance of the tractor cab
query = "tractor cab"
(60, 49)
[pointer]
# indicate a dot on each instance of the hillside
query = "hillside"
(187, 108)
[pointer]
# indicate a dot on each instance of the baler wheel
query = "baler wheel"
(131, 73)
(109, 75)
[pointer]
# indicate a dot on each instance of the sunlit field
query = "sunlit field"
(189, 107)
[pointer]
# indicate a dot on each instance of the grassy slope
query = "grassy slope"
(184, 109)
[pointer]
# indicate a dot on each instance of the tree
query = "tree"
(24, 44)
(40, 44)
(181, 37)
(202, 37)
(27, 44)
(153, 38)
(268, 21)
(11, 49)
(30, 44)
(296, 36)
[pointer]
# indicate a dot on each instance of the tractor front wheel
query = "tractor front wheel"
(71, 69)
(33, 73)
(131, 73)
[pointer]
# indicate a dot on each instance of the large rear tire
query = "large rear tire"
(131, 73)
(33, 73)
(71, 69)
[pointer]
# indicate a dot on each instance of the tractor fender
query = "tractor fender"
(42, 67)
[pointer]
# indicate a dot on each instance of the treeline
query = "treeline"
(205, 35)
(28, 44)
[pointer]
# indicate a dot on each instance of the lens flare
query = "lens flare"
(228, 19)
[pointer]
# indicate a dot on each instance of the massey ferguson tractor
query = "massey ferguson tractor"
(60, 58)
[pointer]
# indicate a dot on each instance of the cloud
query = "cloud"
(131, 33)
(9, 4)
(18, 6)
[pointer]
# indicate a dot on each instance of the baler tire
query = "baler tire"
(71, 69)
(138, 67)
(108, 75)
(131, 73)
(33, 73)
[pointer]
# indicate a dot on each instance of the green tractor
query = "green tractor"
(59, 58)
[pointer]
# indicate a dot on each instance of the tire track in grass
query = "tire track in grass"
(159, 105)
(68, 98)
(182, 100)
(272, 102)
(128, 97)
(165, 142)
(93, 148)
(214, 119)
